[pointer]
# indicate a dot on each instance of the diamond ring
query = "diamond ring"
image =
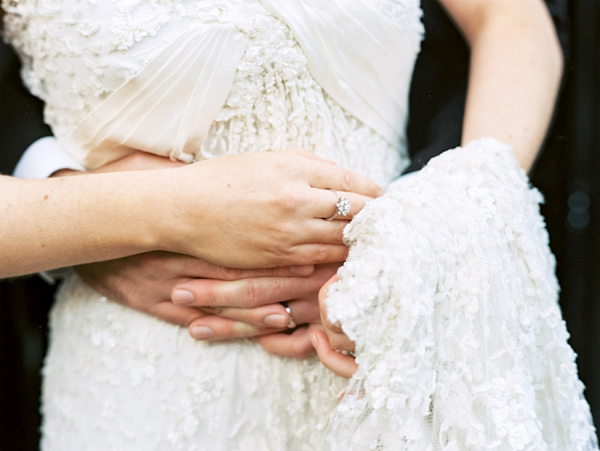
(342, 206)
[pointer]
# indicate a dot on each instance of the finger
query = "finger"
(339, 341)
(297, 345)
(325, 203)
(175, 314)
(304, 311)
(340, 364)
(187, 266)
(245, 293)
(329, 326)
(214, 328)
(268, 316)
(318, 253)
(224, 273)
(319, 231)
(334, 177)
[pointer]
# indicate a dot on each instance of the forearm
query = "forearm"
(65, 221)
(516, 66)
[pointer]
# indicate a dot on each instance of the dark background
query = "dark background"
(567, 173)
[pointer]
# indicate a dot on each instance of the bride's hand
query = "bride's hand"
(260, 210)
(332, 344)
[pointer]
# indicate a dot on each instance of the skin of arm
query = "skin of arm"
(42, 226)
(516, 66)
(515, 71)
(212, 210)
(145, 282)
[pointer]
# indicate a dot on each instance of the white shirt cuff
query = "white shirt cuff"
(43, 158)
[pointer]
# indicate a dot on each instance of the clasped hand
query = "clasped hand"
(256, 211)
(218, 303)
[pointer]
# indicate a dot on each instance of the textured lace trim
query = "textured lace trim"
(450, 295)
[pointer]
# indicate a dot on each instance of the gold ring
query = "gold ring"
(291, 323)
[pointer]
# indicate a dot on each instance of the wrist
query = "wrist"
(173, 204)
(149, 216)
(129, 211)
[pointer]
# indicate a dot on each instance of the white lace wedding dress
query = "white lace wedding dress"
(448, 290)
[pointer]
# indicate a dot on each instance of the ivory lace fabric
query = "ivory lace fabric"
(204, 78)
(450, 295)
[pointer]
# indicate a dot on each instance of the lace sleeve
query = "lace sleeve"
(450, 295)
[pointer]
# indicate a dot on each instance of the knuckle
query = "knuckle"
(207, 297)
(282, 287)
(286, 229)
(252, 293)
(290, 199)
(274, 272)
(230, 273)
(140, 303)
(321, 254)
(348, 180)
(300, 350)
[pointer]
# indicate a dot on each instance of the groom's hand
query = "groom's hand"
(146, 282)
(225, 303)
(252, 306)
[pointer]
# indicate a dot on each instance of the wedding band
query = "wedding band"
(342, 206)
(291, 323)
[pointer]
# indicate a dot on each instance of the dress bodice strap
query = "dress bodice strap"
(362, 58)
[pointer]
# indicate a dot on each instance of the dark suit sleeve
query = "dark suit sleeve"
(439, 85)
(20, 113)
(23, 302)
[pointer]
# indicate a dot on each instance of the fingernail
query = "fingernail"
(314, 340)
(182, 297)
(380, 192)
(201, 332)
(302, 270)
(275, 320)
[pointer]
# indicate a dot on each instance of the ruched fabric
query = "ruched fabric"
(169, 106)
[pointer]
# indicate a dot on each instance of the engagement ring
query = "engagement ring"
(342, 206)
